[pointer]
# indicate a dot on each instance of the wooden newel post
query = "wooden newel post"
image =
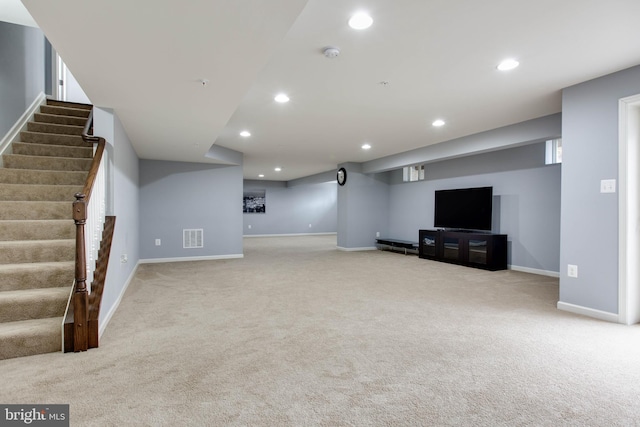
(81, 296)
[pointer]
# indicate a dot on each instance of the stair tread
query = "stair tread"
(57, 202)
(29, 132)
(11, 185)
(31, 221)
(35, 242)
(69, 111)
(55, 125)
(36, 275)
(4, 268)
(35, 156)
(32, 327)
(38, 293)
(36, 144)
(69, 104)
(31, 162)
(60, 115)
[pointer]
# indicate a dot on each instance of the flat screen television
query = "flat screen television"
(464, 208)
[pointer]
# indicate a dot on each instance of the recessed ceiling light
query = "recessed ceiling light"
(366, 146)
(438, 123)
(261, 175)
(277, 169)
(245, 133)
(281, 98)
(508, 64)
(360, 21)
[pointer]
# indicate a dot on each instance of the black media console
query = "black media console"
(473, 249)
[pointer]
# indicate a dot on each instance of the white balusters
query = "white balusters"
(96, 208)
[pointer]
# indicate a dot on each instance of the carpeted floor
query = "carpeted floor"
(300, 334)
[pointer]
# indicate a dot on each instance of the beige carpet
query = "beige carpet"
(300, 334)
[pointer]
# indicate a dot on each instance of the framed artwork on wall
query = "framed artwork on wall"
(254, 201)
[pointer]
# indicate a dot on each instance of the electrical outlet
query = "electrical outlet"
(249, 226)
(124, 258)
(377, 234)
(309, 225)
(158, 242)
(572, 270)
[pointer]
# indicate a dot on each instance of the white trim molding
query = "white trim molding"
(291, 234)
(190, 258)
(21, 125)
(590, 312)
(628, 209)
(534, 271)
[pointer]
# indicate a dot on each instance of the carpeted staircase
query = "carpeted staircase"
(37, 235)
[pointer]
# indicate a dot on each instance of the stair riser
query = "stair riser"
(31, 149)
(60, 120)
(69, 104)
(53, 193)
(15, 161)
(23, 176)
(37, 230)
(36, 252)
(33, 307)
(36, 341)
(55, 139)
(37, 276)
(51, 128)
(62, 111)
(35, 210)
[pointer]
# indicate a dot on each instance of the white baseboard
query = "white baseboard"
(534, 271)
(102, 325)
(21, 124)
(290, 235)
(590, 312)
(368, 248)
(191, 258)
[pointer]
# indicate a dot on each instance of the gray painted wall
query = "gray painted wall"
(363, 208)
(123, 203)
(589, 219)
(22, 76)
(526, 201)
(291, 209)
(176, 196)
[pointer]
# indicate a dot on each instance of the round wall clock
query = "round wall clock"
(342, 176)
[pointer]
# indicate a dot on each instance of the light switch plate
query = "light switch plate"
(608, 186)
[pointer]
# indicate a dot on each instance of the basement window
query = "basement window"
(413, 173)
(553, 152)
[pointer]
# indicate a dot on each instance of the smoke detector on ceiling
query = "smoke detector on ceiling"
(331, 52)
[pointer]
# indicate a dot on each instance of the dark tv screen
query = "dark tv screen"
(464, 209)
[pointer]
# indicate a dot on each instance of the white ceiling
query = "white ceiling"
(13, 11)
(145, 58)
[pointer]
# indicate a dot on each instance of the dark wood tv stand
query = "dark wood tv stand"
(473, 249)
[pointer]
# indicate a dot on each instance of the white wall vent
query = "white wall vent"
(192, 238)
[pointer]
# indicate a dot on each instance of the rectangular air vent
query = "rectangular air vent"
(192, 238)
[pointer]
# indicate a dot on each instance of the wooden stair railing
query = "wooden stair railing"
(81, 321)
